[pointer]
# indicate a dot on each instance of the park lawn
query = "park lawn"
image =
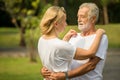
(113, 33)
(9, 37)
(19, 69)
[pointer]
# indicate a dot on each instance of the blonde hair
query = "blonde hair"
(53, 14)
(93, 10)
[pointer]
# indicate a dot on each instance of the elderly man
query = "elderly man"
(87, 17)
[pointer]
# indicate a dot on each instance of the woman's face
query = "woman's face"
(62, 24)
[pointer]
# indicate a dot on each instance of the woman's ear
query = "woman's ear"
(55, 24)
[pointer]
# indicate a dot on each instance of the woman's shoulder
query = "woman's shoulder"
(62, 44)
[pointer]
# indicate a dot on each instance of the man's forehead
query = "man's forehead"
(83, 10)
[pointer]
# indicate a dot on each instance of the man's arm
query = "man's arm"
(45, 72)
(81, 70)
(84, 68)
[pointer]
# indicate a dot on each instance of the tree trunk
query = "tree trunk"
(32, 53)
(21, 31)
(105, 14)
(22, 38)
(101, 18)
(56, 2)
(32, 48)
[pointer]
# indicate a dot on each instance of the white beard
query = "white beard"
(84, 27)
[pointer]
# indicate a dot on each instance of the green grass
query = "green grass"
(19, 69)
(9, 37)
(113, 33)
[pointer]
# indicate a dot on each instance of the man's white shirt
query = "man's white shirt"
(85, 43)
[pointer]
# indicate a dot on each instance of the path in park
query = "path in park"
(111, 69)
(112, 65)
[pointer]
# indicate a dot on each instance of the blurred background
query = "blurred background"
(19, 34)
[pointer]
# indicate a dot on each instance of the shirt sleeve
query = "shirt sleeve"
(102, 50)
(67, 51)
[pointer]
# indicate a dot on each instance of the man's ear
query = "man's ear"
(93, 19)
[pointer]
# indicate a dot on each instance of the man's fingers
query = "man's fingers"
(52, 76)
(45, 72)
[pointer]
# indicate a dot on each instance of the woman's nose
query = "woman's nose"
(66, 24)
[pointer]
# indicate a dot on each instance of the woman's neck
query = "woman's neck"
(50, 35)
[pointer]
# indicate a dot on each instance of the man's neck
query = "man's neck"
(87, 33)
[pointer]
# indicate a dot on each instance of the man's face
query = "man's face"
(83, 20)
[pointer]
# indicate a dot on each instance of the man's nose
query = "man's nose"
(79, 19)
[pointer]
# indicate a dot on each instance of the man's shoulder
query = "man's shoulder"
(104, 40)
(104, 36)
(75, 37)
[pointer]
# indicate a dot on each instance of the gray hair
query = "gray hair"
(93, 10)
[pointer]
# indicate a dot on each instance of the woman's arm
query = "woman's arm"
(84, 54)
(69, 35)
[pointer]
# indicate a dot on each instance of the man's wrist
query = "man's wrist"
(66, 76)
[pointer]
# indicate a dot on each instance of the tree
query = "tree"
(31, 22)
(56, 2)
(105, 10)
(20, 10)
(104, 4)
(17, 12)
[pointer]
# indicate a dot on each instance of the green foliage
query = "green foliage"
(30, 22)
(21, 8)
(105, 2)
(44, 8)
(34, 35)
(35, 3)
(12, 6)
